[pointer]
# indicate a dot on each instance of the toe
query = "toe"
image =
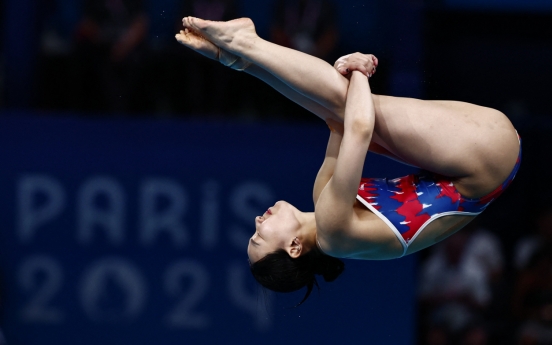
(192, 22)
(199, 23)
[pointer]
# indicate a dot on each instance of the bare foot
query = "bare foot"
(233, 36)
(200, 44)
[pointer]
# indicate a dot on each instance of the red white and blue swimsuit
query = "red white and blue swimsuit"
(408, 204)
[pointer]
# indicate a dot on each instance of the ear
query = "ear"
(294, 250)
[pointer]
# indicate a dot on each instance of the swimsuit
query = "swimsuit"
(408, 204)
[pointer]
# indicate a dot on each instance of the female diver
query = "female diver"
(468, 154)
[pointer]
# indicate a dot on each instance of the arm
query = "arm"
(337, 199)
(332, 151)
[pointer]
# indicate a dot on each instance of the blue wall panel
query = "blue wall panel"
(134, 232)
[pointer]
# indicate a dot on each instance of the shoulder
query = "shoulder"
(365, 236)
(332, 230)
(333, 215)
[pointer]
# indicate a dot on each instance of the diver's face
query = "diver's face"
(275, 229)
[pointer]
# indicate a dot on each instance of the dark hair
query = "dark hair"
(279, 272)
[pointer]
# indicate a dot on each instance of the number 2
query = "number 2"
(42, 277)
(183, 315)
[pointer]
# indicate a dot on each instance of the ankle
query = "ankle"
(245, 45)
(240, 65)
(233, 61)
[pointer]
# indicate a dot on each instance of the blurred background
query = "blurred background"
(132, 169)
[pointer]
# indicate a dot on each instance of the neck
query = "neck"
(307, 232)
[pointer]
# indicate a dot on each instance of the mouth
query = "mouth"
(269, 211)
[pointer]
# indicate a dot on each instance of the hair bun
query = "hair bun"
(329, 267)
(279, 272)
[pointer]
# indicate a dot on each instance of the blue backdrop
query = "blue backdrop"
(134, 232)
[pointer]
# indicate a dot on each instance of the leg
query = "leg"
(476, 144)
(196, 42)
(208, 49)
(303, 73)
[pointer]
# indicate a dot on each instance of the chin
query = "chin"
(285, 204)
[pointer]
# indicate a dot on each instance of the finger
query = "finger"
(342, 59)
(340, 63)
(361, 68)
(355, 67)
(340, 67)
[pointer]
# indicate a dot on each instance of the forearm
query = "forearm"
(358, 130)
(327, 169)
(359, 109)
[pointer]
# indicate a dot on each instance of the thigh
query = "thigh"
(438, 230)
(476, 145)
